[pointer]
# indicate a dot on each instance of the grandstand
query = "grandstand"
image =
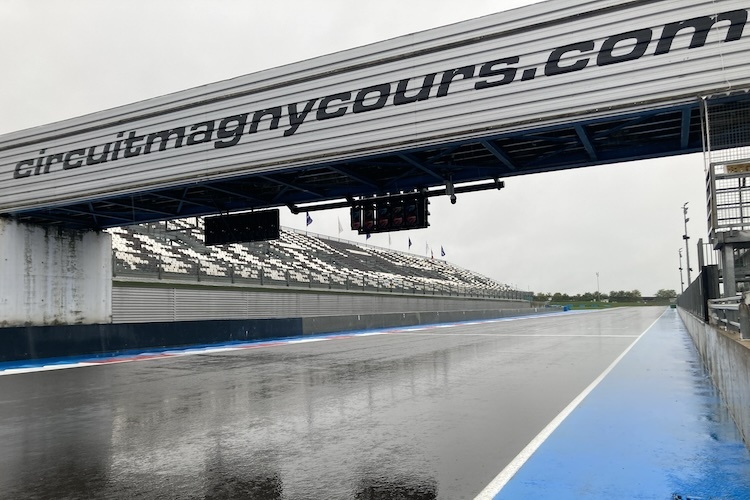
(175, 250)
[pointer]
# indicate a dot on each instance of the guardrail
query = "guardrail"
(725, 312)
(731, 313)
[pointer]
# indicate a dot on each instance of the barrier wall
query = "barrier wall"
(35, 342)
(728, 361)
(52, 276)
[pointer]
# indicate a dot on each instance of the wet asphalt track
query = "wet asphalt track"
(434, 413)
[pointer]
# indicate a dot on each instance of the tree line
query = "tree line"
(613, 296)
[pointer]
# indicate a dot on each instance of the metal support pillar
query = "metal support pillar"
(727, 268)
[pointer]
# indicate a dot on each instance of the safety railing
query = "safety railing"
(732, 313)
(725, 312)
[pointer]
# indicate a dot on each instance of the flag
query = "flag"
(432, 254)
(442, 252)
(308, 219)
(341, 229)
(409, 243)
(368, 236)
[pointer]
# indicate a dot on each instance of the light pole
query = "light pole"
(682, 283)
(686, 238)
(597, 286)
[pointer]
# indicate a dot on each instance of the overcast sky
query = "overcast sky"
(545, 232)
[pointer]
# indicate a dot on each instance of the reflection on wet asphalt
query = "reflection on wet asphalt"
(429, 414)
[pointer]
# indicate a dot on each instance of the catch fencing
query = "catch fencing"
(705, 287)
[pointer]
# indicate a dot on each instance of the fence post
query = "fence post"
(709, 281)
(730, 284)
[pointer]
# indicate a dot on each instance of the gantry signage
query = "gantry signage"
(539, 64)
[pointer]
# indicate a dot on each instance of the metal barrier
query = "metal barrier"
(725, 312)
(702, 300)
(732, 313)
(704, 288)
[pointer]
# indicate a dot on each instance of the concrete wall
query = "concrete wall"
(51, 276)
(353, 322)
(728, 361)
(37, 342)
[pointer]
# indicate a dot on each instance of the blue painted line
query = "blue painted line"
(9, 367)
(653, 428)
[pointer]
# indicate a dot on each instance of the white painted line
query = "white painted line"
(497, 484)
(520, 335)
(44, 368)
(206, 351)
(304, 341)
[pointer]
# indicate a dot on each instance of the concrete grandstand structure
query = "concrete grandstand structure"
(167, 288)
(175, 250)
